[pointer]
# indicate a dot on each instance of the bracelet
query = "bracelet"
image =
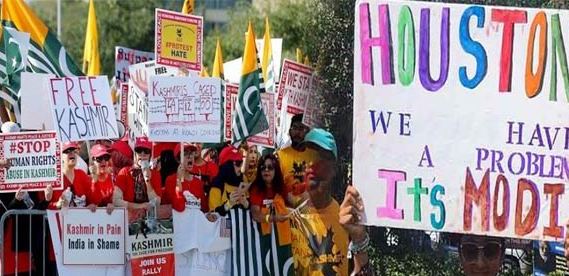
(359, 247)
(267, 217)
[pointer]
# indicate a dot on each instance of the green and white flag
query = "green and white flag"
(249, 117)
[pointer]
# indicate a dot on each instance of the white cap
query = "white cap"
(10, 127)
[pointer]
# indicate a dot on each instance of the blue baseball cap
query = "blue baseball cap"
(323, 139)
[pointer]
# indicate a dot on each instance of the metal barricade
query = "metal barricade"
(18, 215)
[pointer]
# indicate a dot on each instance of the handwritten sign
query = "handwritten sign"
(94, 238)
(231, 91)
(294, 84)
(179, 39)
(451, 132)
(314, 113)
(35, 161)
(82, 108)
(186, 109)
(125, 57)
(137, 108)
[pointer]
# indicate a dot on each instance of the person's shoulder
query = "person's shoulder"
(124, 171)
(285, 151)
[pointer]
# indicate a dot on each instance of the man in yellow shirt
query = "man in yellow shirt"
(295, 158)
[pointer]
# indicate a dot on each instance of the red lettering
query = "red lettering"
(81, 90)
(480, 196)
(554, 230)
(69, 88)
(501, 221)
(509, 18)
(93, 90)
(528, 224)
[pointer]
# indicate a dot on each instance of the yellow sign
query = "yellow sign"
(179, 40)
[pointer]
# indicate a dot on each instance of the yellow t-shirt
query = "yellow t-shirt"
(293, 163)
(320, 243)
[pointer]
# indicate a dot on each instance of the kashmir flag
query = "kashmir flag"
(46, 54)
(249, 117)
(256, 252)
(91, 58)
(267, 63)
(15, 53)
(217, 71)
(188, 7)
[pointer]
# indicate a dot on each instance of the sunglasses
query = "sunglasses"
(68, 151)
(102, 158)
(267, 168)
(470, 251)
(238, 163)
(142, 151)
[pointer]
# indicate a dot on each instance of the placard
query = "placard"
(184, 109)
(94, 238)
(82, 108)
(231, 91)
(179, 39)
(35, 100)
(314, 113)
(151, 241)
(35, 161)
(265, 138)
(294, 84)
(451, 132)
(125, 57)
(123, 104)
(138, 84)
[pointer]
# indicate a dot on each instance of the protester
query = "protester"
(76, 183)
(250, 164)
(226, 191)
(268, 185)
(138, 185)
(121, 155)
(164, 161)
(101, 173)
(322, 212)
(481, 255)
(205, 170)
(184, 181)
(295, 159)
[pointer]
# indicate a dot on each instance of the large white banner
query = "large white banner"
(184, 109)
(82, 108)
(460, 118)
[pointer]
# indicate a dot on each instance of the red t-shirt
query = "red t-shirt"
(102, 192)
(125, 181)
(207, 168)
(177, 199)
(256, 196)
(81, 186)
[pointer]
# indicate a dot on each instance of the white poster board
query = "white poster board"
(184, 109)
(124, 58)
(94, 238)
(138, 87)
(461, 131)
(82, 108)
(35, 100)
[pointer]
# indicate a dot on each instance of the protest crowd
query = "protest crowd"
(164, 170)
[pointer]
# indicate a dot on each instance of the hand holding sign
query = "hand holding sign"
(350, 213)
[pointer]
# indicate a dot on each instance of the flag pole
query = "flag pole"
(59, 19)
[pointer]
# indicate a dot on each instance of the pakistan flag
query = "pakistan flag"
(16, 47)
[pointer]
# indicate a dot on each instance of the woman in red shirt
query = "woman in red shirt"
(184, 180)
(75, 180)
(138, 185)
(102, 185)
(268, 185)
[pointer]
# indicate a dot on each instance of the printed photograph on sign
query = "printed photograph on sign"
(186, 109)
(82, 108)
(35, 161)
(179, 39)
(150, 238)
(94, 238)
(461, 133)
(294, 84)
(125, 57)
